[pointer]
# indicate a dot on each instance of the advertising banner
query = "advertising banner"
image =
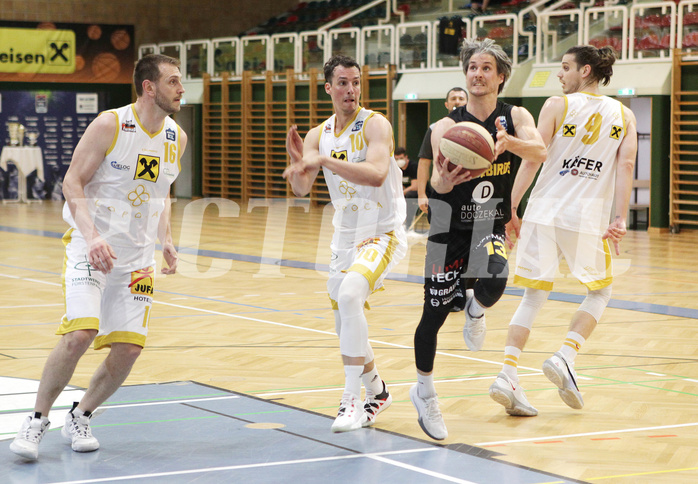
(66, 52)
(38, 133)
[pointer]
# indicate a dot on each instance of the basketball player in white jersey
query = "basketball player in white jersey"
(354, 148)
(592, 143)
(117, 203)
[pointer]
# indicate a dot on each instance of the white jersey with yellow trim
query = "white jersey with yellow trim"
(127, 193)
(360, 211)
(575, 188)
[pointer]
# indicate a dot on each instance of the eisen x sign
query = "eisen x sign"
(36, 51)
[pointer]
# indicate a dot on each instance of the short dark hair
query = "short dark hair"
(400, 151)
(338, 60)
(457, 89)
(600, 60)
(148, 67)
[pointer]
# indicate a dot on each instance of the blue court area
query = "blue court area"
(185, 432)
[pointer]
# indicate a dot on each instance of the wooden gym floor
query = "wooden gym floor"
(248, 313)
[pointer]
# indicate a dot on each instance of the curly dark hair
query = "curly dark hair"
(600, 60)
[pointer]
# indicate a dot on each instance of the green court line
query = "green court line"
(263, 413)
(154, 421)
(642, 384)
(667, 374)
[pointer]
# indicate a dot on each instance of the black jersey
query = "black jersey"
(450, 34)
(486, 198)
(425, 150)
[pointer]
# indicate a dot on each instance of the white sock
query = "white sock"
(38, 415)
(352, 383)
(425, 386)
(372, 382)
(475, 310)
(571, 346)
(511, 362)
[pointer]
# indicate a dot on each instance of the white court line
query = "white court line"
(208, 311)
(605, 432)
(40, 282)
(167, 402)
(438, 475)
(409, 383)
(102, 408)
(247, 466)
(31, 306)
(30, 280)
(498, 363)
(656, 374)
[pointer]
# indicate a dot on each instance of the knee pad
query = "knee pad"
(353, 292)
(596, 302)
(533, 300)
(489, 290)
(337, 322)
(350, 321)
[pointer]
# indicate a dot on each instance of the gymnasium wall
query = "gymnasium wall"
(156, 20)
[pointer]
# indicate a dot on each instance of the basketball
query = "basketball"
(120, 39)
(94, 32)
(469, 145)
(105, 67)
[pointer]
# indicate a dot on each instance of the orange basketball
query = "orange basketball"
(79, 63)
(46, 26)
(94, 32)
(105, 67)
(469, 145)
(120, 39)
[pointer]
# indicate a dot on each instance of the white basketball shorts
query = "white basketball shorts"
(373, 258)
(117, 304)
(541, 248)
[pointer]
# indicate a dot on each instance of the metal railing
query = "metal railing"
(539, 34)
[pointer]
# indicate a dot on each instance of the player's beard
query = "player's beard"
(166, 105)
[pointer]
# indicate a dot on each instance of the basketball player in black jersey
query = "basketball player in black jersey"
(466, 262)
